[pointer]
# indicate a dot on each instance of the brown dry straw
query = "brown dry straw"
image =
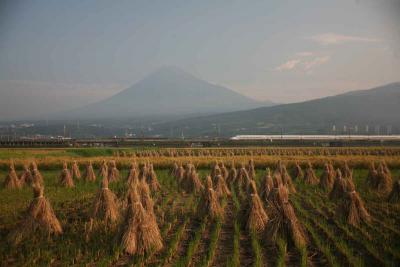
(339, 187)
(232, 174)
(65, 177)
(251, 169)
(242, 178)
(298, 172)
(286, 179)
(310, 177)
(327, 178)
(76, 173)
(192, 183)
(267, 185)
(105, 205)
(371, 179)
(221, 188)
(39, 218)
(103, 169)
(224, 170)
(26, 176)
(209, 205)
(140, 234)
(11, 181)
(133, 176)
(257, 218)
(394, 196)
(283, 220)
(152, 179)
(383, 181)
(89, 176)
(113, 173)
(353, 210)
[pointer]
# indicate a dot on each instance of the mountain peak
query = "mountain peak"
(169, 91)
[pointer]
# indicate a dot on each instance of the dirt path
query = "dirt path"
(225, 242)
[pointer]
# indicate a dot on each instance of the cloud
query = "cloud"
(315, 62)
(291, 64)
(306, 63)
(336, 39)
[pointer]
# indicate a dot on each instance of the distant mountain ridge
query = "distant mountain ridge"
(168, 91)
(377, 107)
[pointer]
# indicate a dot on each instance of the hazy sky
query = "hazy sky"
(56, 55)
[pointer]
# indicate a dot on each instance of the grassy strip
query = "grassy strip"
(207, 260)
(173, 245)
(356, 233)
(321, 245)
(282, 249)
(255, 244)
(338, 240)
(234, 261)
(193, 245)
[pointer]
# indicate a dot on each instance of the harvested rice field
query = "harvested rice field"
(221, 207)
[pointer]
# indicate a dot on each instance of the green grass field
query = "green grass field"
(190, 240)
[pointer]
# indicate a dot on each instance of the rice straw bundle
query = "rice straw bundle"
(103, 173)
(221, 188)
(232, 174)
(339, 187)
(372, 176)
(242, 178)
(145, 197)
(352, 208)
(133, 176)
(277, 178)
(76, 173)
(113, 174)
(26, 176)
(298, 172)
(209, 205)
(224, 171)
(383, 183)
(347, 172)
(174, 170)
(267, 185)
(257, 218)
(152, 179)
(105, 205)
(12, 181)
(65, 177)
(284, 222)
(215, 170)
(310, 177)
(39, 218)
(90, 176)
(251, 169)
(140, 234)
(327, 178)
(286, 179)
(192, 183)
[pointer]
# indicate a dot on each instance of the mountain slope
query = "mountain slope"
(378, 106)
(168, 91)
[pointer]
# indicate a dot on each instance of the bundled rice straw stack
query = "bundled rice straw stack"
(284, 222)
(26, 176)
(257, 217)
(113, 174)
(298, 172)
(339, 187)
(267, 185)
(76, 173)
(209, 205)
(90, 176)
(221, 188)
(152, 179)
(327, 178)
(65, 177)
(103, 172)
(310, 177)
(232, 174)
(353, 210)
(38, 219)
(12, 181)
(140, 234)
(105, 205)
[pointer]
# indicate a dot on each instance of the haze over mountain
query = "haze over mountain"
(167, 92)
(379, 108)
